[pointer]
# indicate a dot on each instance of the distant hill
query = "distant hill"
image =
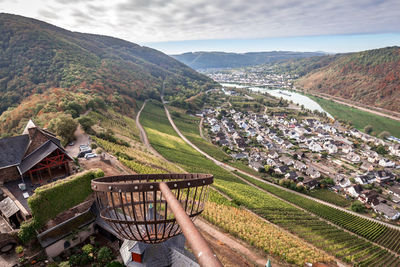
(215, 60)
(36, 56)
(371, 77)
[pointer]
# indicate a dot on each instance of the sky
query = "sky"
(178, 26)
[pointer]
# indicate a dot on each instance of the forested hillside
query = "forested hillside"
(210, 60)
(371, 77)
(40, 61)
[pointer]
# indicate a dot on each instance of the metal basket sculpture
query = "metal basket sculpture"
(137, 210)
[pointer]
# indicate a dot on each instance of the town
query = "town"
(309, 153)
(261, 75)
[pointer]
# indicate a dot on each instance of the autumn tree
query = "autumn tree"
(64, 126)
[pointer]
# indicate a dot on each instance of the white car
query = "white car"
(90, 155)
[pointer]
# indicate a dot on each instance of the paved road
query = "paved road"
(230, 168)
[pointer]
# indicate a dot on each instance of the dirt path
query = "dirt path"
(143, 135)
(201, 129)
(81, 139)
(393, 115)
(237, 246)
(145, 139)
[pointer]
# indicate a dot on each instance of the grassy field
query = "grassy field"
(319, 233)
(358, 118)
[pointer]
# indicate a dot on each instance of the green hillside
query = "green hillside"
(209, 60)
(54, 70)
(370, 77)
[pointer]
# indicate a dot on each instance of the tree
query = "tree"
(105, 255)
(381, 150)
(368, 129)
(357, 207)
(64, 126)
(86, 124)
(384, 135)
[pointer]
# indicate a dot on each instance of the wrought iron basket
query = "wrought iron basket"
(136, 209)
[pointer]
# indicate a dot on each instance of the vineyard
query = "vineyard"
(133, 156)
(322, 235)
(368, 229)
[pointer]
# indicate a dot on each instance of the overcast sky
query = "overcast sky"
(259, 25)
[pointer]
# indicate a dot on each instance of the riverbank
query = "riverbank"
(359, 118)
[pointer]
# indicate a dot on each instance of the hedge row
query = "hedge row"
(51, 199)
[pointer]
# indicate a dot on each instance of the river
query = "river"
(297, 98)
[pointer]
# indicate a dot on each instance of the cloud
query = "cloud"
(174, 20)
(47, 14)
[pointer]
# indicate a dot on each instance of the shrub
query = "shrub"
(87, 249)
(19, 249)
(79, 259)
(105, 255)
(368, 129)
(64, 264)
(52, 264)
(86, 124)
(28, 230)
(357, 207)
(115, 264)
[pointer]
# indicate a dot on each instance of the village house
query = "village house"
(395, 150)
(310, 183)
(367, 166)
(386, 163)
(291, 175)
(300, 166)
(313, 173)
(387, 211)
(367, 178)
(354, 191)
(273, 154)
(286, 160)
(36, 154)
(257, 166)
(282, 169)
(353, 157)
(383, 176)
(347, 149)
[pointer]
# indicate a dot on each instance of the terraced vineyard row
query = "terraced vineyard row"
(335, 241)
(373, 231)
(368, 229)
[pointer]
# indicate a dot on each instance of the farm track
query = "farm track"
(145, 140)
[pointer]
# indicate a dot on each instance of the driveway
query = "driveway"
(81, 139)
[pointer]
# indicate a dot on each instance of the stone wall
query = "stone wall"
(37, 139)
(9, 174)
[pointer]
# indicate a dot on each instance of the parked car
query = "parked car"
(82, 153)
(90, 155)
(71, 143)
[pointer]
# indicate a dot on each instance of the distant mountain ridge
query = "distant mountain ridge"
(36, 56)
(371, 77)
(215, 60)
